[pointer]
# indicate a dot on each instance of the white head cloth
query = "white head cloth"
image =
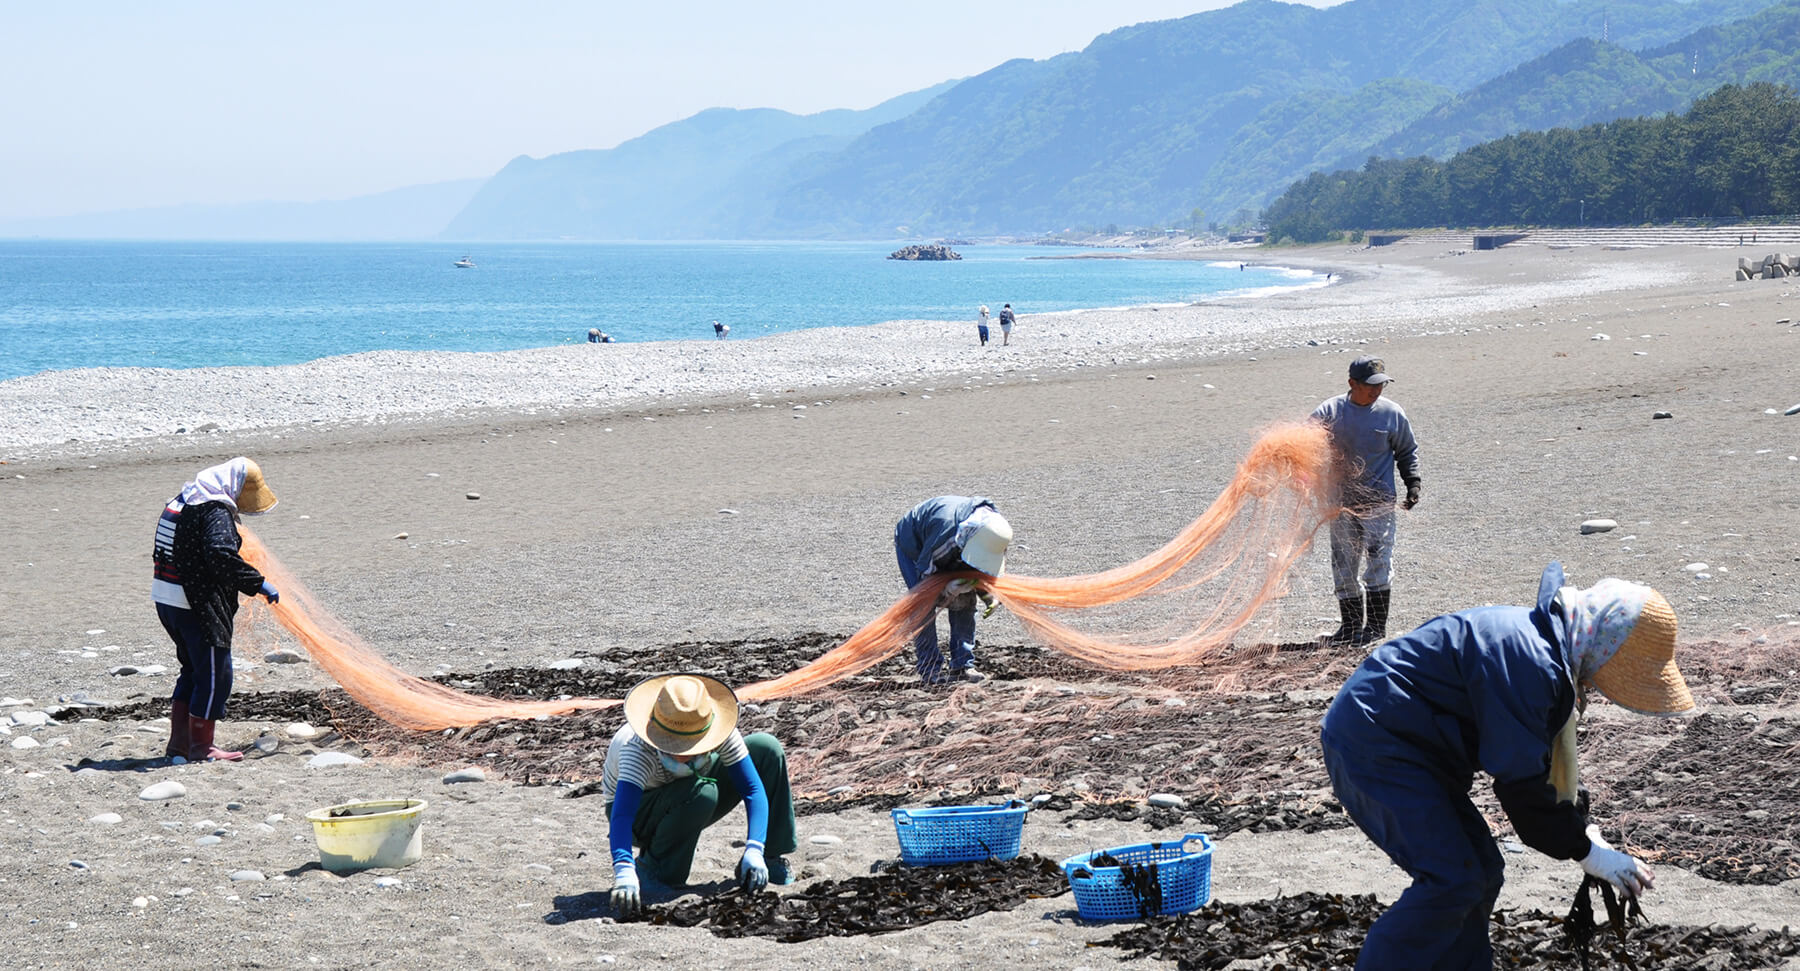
(977, 519)
(219, 483)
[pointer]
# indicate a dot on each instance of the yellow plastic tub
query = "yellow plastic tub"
(366, 835)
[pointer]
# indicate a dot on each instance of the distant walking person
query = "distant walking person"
(1006, 324)
(593, 335)
(1371, 438)
(718, 330)
(198, 577)
(981, 326)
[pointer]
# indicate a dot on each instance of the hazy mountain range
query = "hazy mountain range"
(1217, 112)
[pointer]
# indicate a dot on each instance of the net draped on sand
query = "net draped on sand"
(1182, 604)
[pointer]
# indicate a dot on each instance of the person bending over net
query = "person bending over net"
(1497, 689)
(943, 535)
(197, 578)
(677, 766)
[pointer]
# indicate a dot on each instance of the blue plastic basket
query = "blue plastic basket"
(1183, 876)
(959, 834)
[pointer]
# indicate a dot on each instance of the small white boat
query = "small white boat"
(464, 264)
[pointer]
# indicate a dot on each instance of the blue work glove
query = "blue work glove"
(269, 591)
(627, 898)
(752, 872)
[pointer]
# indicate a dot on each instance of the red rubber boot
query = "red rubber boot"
(202, 748)
(181, 738)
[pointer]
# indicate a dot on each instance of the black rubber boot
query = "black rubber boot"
(1350, 613)
(1374, 630)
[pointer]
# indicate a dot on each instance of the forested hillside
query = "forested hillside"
(1735, 154)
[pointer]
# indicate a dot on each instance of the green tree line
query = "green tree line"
(1734, 154)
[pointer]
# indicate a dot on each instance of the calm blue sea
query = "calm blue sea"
(181, 305)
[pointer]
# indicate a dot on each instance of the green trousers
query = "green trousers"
(670, 817)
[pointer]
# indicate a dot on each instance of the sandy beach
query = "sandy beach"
(469, 512)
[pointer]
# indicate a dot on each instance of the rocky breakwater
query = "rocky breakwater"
(925, 251)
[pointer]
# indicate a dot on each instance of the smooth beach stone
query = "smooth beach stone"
(208, 841)
(106, 819)
(239, 876)
(266, 744)
(159, 791)
(387, 881)
(1696, 568)
(1598, 526)
(31, 719)
(78, 864)
(327, 759)
(471, 774)
(301, 730)
(538, 868)
(1166, 800)
(566, 664)
(284, 656)
(11, 702)
(1661, 415)
(399, 535)
(472, 495)
(1041, 798)
(839, 790)
(1600, 337)
(825, 839)
(25, 741)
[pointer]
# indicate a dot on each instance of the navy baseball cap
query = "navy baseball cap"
(1369, 370)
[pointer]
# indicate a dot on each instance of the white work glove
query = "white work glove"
(752, 872)
(1622, 870)
(627, 899)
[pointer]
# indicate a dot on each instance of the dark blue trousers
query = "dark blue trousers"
(1428, 827)
(205, 678)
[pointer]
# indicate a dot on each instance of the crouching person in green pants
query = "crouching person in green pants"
(677, 766)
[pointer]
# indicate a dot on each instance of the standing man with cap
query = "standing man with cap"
(677, 766)
(198, 576)
(1495, 689)
(947, 534)
(1371, 438)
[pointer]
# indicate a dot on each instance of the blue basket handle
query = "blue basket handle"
(902, 818)
(1206, 842)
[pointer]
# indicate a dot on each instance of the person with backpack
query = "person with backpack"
(1007, 319)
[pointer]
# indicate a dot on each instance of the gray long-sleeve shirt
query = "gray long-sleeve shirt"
(1370, 444)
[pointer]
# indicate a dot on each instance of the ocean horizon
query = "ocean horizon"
(81, 304)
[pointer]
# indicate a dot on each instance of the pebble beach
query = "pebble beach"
(469, 511)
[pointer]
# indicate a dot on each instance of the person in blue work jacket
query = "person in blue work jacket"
(942, 535)
(1371, 439)
(677, 766)
(1499, 690)
(197, 575)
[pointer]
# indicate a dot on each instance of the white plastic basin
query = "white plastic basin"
(365, 835)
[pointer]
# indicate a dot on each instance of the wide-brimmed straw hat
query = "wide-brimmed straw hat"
(682, 714)
(255, 497)
(1642, 675)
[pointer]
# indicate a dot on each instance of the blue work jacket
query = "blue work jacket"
(1484, 689)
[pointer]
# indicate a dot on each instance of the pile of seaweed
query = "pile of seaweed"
(1324, 932)
(894, 900)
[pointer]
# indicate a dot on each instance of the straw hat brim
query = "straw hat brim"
(255, 497)
(1642, 675)
(640, 704)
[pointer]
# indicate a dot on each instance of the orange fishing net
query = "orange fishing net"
(1182, 604)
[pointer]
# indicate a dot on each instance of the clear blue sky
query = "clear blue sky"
(112, 105)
